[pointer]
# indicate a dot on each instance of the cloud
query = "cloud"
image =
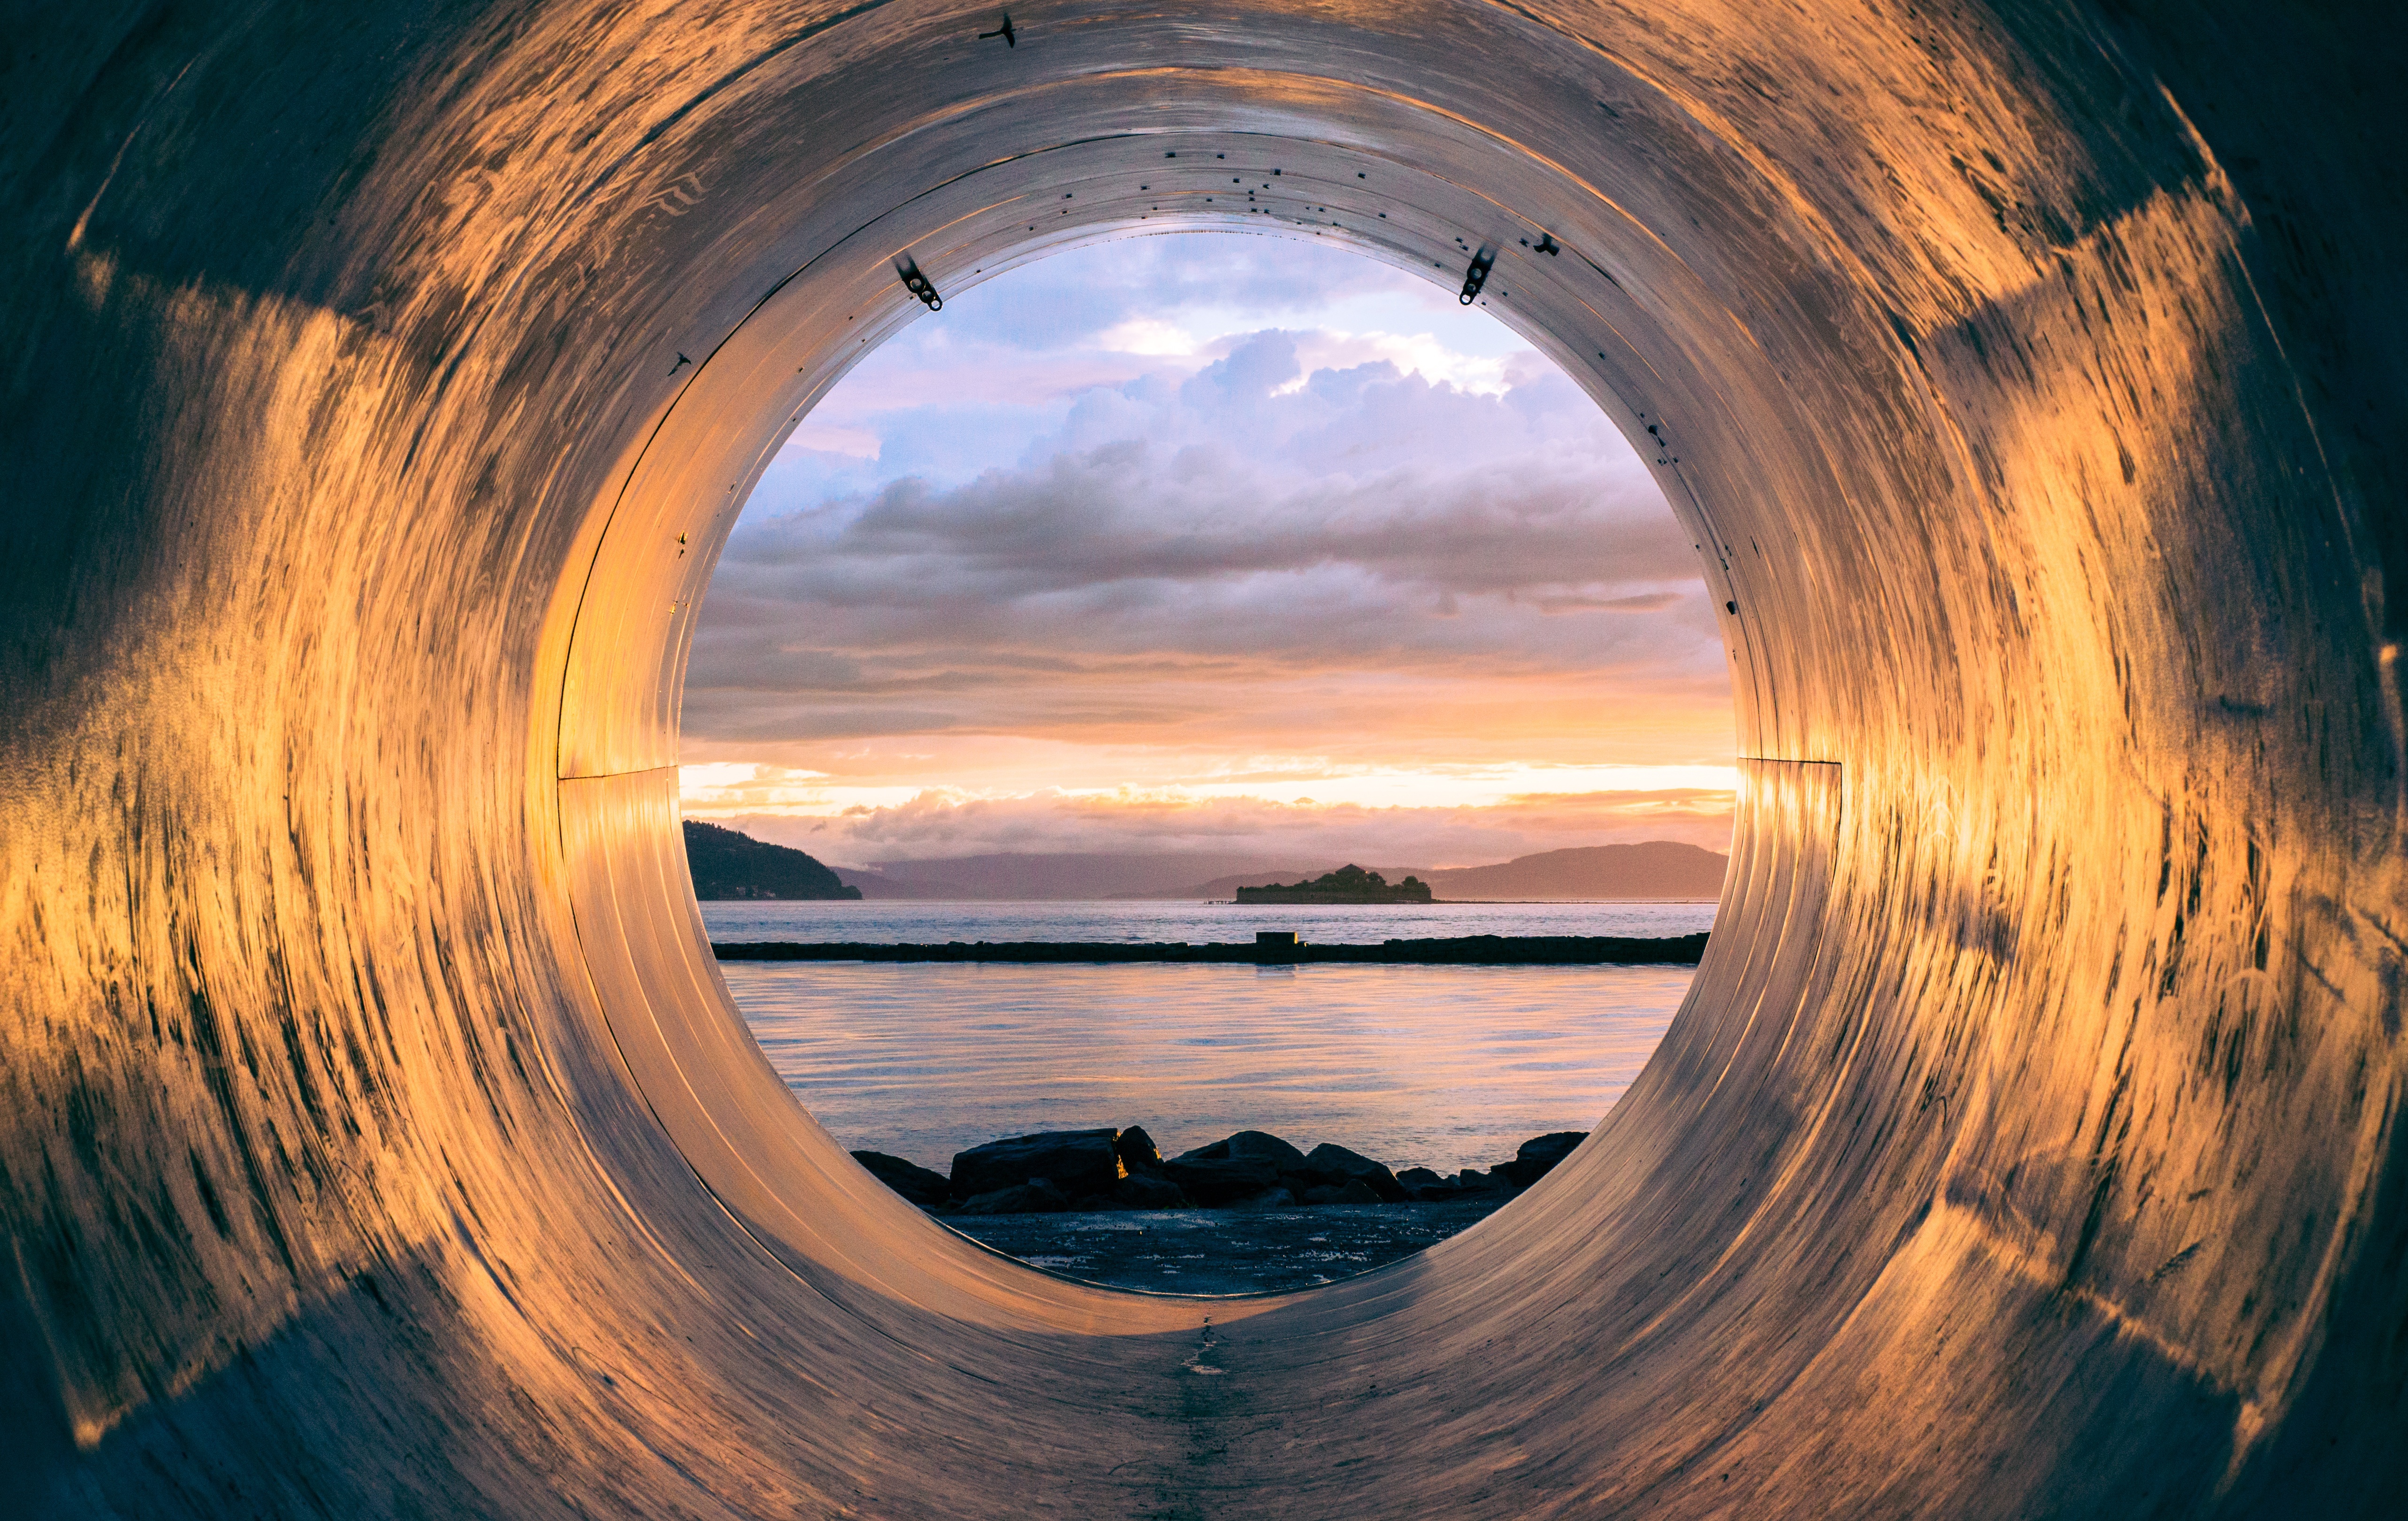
(1378, 539)
(1369, 518)
(951, 392)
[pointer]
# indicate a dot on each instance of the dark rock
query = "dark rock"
(1538, 1157)
(1552, 1147)
(1217, 1181)
(1035, 1196)
(1472, 1181)
(1252, 1146)
(1426, 1188)
(1136, 1151)
(1359, 1191)
(1324, 1194)
(913, 1182)
(1077, 1162)
(1235, 1171)
(1337, 1167)
(1148, 1191)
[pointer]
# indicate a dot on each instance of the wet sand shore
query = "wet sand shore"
(1224, 1251)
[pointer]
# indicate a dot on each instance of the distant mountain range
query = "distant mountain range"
(1658, 871)
(1014, 878)
(728, 865)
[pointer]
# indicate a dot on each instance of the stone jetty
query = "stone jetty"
(1275, 948)
(1107, 1169)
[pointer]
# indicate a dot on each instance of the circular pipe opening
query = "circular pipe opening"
(618, 725)
(2039, 1090)
(1165, 513)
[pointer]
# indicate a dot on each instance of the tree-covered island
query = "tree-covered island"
(1347, 884)
(728, 865)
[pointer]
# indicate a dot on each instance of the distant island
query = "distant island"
(731, 865)
(1658, 871)
(1347, 884)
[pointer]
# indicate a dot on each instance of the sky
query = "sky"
(1208, 543)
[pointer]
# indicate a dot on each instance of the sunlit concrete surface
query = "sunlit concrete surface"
(376, 1137)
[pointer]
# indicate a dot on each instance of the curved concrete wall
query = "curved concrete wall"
(378, 1138)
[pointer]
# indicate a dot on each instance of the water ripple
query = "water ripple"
(1443, 1066)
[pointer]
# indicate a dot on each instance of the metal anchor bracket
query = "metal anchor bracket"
(918, 283)
(1477, 276)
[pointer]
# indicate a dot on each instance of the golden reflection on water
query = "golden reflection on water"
(1441, 1067)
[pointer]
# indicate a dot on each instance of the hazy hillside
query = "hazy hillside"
(1035, 878)
(1659, 869)
(728, 865)
(880, 888)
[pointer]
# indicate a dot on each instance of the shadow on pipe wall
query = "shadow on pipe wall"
(377, 1138)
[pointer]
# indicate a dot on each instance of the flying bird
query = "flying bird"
(1004, 32)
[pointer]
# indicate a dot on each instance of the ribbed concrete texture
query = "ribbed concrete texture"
(377, 1138)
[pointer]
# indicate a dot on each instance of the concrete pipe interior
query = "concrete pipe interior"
(378, 1138)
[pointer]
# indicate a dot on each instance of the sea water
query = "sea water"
(1439, 1066)
(1122, 923)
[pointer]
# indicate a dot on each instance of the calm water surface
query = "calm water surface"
(1443, 1066)
(1122, 923)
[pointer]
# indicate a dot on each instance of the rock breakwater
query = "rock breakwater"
(1459, 950)
(1107, 1169)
